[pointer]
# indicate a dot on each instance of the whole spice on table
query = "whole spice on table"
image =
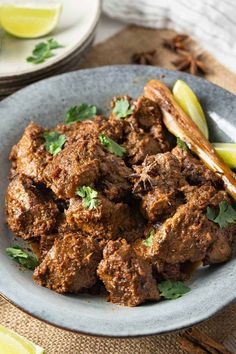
(176, 43)
(189, 62)
(194, 341)
(144, 58)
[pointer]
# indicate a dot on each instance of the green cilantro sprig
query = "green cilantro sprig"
(54, 142)
(122, 108)
(171, 290)
(43, 51)
(181, 144)
(149, 239)
(112, 146)
(89, 197)
(23, 258)
(226, 215)
(80, 113)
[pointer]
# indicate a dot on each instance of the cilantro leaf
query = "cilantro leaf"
(226, 215)
(149, 239)
(122, 108)
(53, 44)
(43, 51)
(182, 144)
(54, 142)
(79, 113)
(89, 197)
(112, 146)
(171, 290)
(23, 258)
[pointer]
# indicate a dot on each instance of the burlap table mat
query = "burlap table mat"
(118, 50)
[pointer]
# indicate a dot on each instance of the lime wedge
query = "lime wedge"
(227, 151)
(190, 104)
(29, 20)
(12, 343)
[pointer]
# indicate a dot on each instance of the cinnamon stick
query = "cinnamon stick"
(196, 342)
(189, 346)
(203, 338)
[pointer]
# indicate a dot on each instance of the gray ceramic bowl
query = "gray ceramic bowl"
(46, 103)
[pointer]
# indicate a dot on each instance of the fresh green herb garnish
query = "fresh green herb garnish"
(182, 144)
(79, 113)
(226, 216)
(149, 239)
(23, 258)
(89, 196)
(43, 51)
(54, 142)
(112, 146)
(122, 108)
(171, 290)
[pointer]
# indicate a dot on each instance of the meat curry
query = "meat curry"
(115, 203)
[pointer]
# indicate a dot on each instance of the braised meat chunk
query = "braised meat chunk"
(108, 220)
(221, 249)
(70, 265)
(113, 128)
(189, 235)
(138, 145)
(158, 182)
(193, 169)
(161, 269)
(127, 277)
(149, 117)
(114, 182)
(29, 213)
(76, 165)
(29, 156)
(184, 237)
(143, 130)
(46, 243)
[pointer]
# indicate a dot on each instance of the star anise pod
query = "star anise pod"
(194, 64)
(144, 58)
(176, 43)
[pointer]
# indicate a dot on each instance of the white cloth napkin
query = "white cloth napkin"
(211, 22)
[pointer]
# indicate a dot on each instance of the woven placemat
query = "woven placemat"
(119, 50)
(57, 341)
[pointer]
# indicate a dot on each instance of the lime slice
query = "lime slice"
(12, 343)
(190, 104)
(29, 20)
(227, 151)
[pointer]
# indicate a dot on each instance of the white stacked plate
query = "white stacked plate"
(75, 31)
